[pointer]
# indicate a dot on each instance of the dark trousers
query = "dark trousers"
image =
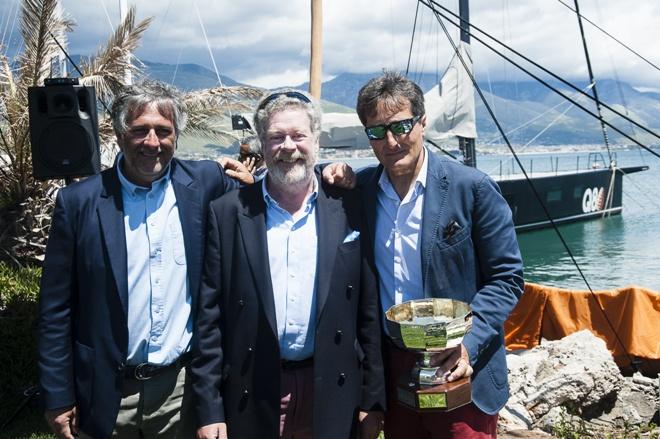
(467, 422)
(296, 402)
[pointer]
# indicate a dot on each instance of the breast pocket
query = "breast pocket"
(178, 246)
(452, 269)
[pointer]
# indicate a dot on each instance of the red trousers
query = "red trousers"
(467, 422)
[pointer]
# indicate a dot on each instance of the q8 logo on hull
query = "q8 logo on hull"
(593, 200)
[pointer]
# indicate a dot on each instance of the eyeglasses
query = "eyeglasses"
(378, 132)
(289, 94)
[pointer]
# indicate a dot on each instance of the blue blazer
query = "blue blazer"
(477, 260)
(83, 333)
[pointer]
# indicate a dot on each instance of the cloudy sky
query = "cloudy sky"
(266, 43)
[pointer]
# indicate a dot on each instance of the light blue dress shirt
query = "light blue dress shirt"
(159, 302)
(398, 240)
(292, 255)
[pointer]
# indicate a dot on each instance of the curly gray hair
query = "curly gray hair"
(133, 99)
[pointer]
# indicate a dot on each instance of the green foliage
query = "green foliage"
(570, 427)
(19, 289)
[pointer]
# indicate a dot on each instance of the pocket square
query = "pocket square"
(355, 234)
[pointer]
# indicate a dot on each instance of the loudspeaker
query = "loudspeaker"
(63, 130)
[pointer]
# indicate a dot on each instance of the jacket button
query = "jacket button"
(338, 335)
(246, 393)
(241, 303)
(121, 366)
(342, 378)
(349, 291)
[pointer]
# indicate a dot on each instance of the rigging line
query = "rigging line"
(619, 89)
(412, 42)
(532, 62)
(532, 120)
(75, 66)
(554, 89)
(176, 67)
(6, 22)
(208, 46)
(531, 185)
(524, 147)
(641, 189)
(11, 31)
(412, 39)
(107, 15)
(612, 37)
(594, 89)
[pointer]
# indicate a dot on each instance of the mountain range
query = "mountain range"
(527, 110)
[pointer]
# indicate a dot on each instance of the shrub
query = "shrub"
(19, 288)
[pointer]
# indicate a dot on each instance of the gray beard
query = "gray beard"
(299, 173)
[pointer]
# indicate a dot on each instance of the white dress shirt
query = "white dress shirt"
(398, 240)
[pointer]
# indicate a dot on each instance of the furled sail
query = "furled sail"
(450, 105)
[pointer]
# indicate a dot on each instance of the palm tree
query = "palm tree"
(25, 203)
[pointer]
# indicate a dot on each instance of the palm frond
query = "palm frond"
(209, 110)
(41, 24)
(107, 70)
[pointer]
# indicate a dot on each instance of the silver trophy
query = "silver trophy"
(427, 326)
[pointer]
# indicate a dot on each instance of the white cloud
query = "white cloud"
(265, 42)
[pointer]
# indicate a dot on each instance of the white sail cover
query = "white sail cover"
(450, 105)
(342, 130)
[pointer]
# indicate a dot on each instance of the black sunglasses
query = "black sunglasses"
(289, 94)
(378, 132)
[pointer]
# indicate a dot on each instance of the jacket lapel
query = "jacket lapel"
(190, 215)
(252, 226)
(330, 229)
(370, 199)
(435, 197)
(111, 217)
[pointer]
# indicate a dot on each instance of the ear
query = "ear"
(422, 121)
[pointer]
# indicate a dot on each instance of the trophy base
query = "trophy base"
(443, 397)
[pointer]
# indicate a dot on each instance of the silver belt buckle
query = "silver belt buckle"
(139, 374)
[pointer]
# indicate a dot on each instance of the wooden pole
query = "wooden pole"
(316, 58)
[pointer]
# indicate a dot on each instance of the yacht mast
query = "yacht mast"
(316, 58)
(466, 144)
(123, 10)
(593, 82)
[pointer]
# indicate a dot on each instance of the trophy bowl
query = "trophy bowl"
(427, 326)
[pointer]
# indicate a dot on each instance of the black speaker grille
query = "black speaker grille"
(64, 145)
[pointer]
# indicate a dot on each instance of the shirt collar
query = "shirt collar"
(133, 189)
(386, 186)
(272, 202)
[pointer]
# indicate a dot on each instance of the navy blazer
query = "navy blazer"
(475, 260)
(236, 369)
(83, 333)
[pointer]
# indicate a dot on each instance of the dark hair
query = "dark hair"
(134, 98)
(392, 90)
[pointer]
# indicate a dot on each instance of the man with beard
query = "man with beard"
(288, 339)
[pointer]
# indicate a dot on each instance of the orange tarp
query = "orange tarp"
(553, 313)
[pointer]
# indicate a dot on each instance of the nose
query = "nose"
(151, 139)
(288, 143)
(390, 140)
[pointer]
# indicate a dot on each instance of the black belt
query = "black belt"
(293, 365)
(146, 371)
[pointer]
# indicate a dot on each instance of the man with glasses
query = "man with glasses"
(288, 322)
(440, 229)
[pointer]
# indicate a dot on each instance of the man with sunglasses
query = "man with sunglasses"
(288, 326)
(440, 229)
